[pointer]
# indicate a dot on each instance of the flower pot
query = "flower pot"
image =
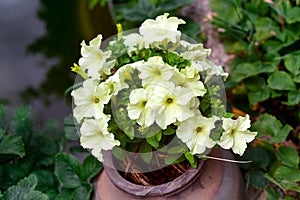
(211, 180)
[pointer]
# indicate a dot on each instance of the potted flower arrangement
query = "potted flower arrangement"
(150, 104)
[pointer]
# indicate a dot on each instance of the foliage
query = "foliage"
(33, 164)
(132, 13)
(149, 92)
(264, 38)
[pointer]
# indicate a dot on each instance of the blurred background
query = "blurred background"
(40, 40)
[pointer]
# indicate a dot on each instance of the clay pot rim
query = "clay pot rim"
(166, 189)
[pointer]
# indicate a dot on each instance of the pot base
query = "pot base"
(217, 181)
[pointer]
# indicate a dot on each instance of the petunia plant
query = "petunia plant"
(155, 94)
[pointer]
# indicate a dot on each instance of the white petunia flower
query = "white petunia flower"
(155, 71)
(161, 29)
(94, 136)
(236, 135)
(133, 41)
(192, 80)
(194, 132)
(193, 51)
(93, 59)
(90, 99)
(209, 69)
(170, 103)
(137, 108)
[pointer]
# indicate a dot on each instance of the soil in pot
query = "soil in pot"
(214, 180)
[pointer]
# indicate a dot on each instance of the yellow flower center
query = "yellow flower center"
(96, 99)
(169, 100)
(199, 129)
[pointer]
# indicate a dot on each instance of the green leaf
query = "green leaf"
(293, 15)
(255, 83)
(191, 159)
(262, 161)
(293, 98)
(137, 13)
(12, 144)
(287, 173)
(90, 168)
(65, 194)
(292, 63)
(46, 180)
(146, 152)
(272, 194)
(47, 145)
(169, 131)
(269, 125)
(281, 80)
(83, 192)
(226, 10)
(174, 158)
(70, 128)
(257, 179)
(3, 124)
(265, 29)
(245, 70)
(168, 5)
(280, 136)
(67, 170)
(258, 96)
(288, 156)
(25, 189)
(22, 123)
(119, 152)
(153, 141)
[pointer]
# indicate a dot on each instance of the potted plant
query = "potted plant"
(151, 106)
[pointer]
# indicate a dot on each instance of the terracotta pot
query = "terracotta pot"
(212, 180)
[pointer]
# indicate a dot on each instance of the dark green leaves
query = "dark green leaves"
(281, 80)
(257, 179)
(67, 170)
(288, 156)
(22, 123)
(11, 144)
(269, 125)
(25, 189)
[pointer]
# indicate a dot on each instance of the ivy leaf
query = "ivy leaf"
(83, 192)
(90, 168)
(146, 152)
(257, 179)
(288, 156)
(12, 144)
(25, 189)
(281, 80)
(67, 170)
